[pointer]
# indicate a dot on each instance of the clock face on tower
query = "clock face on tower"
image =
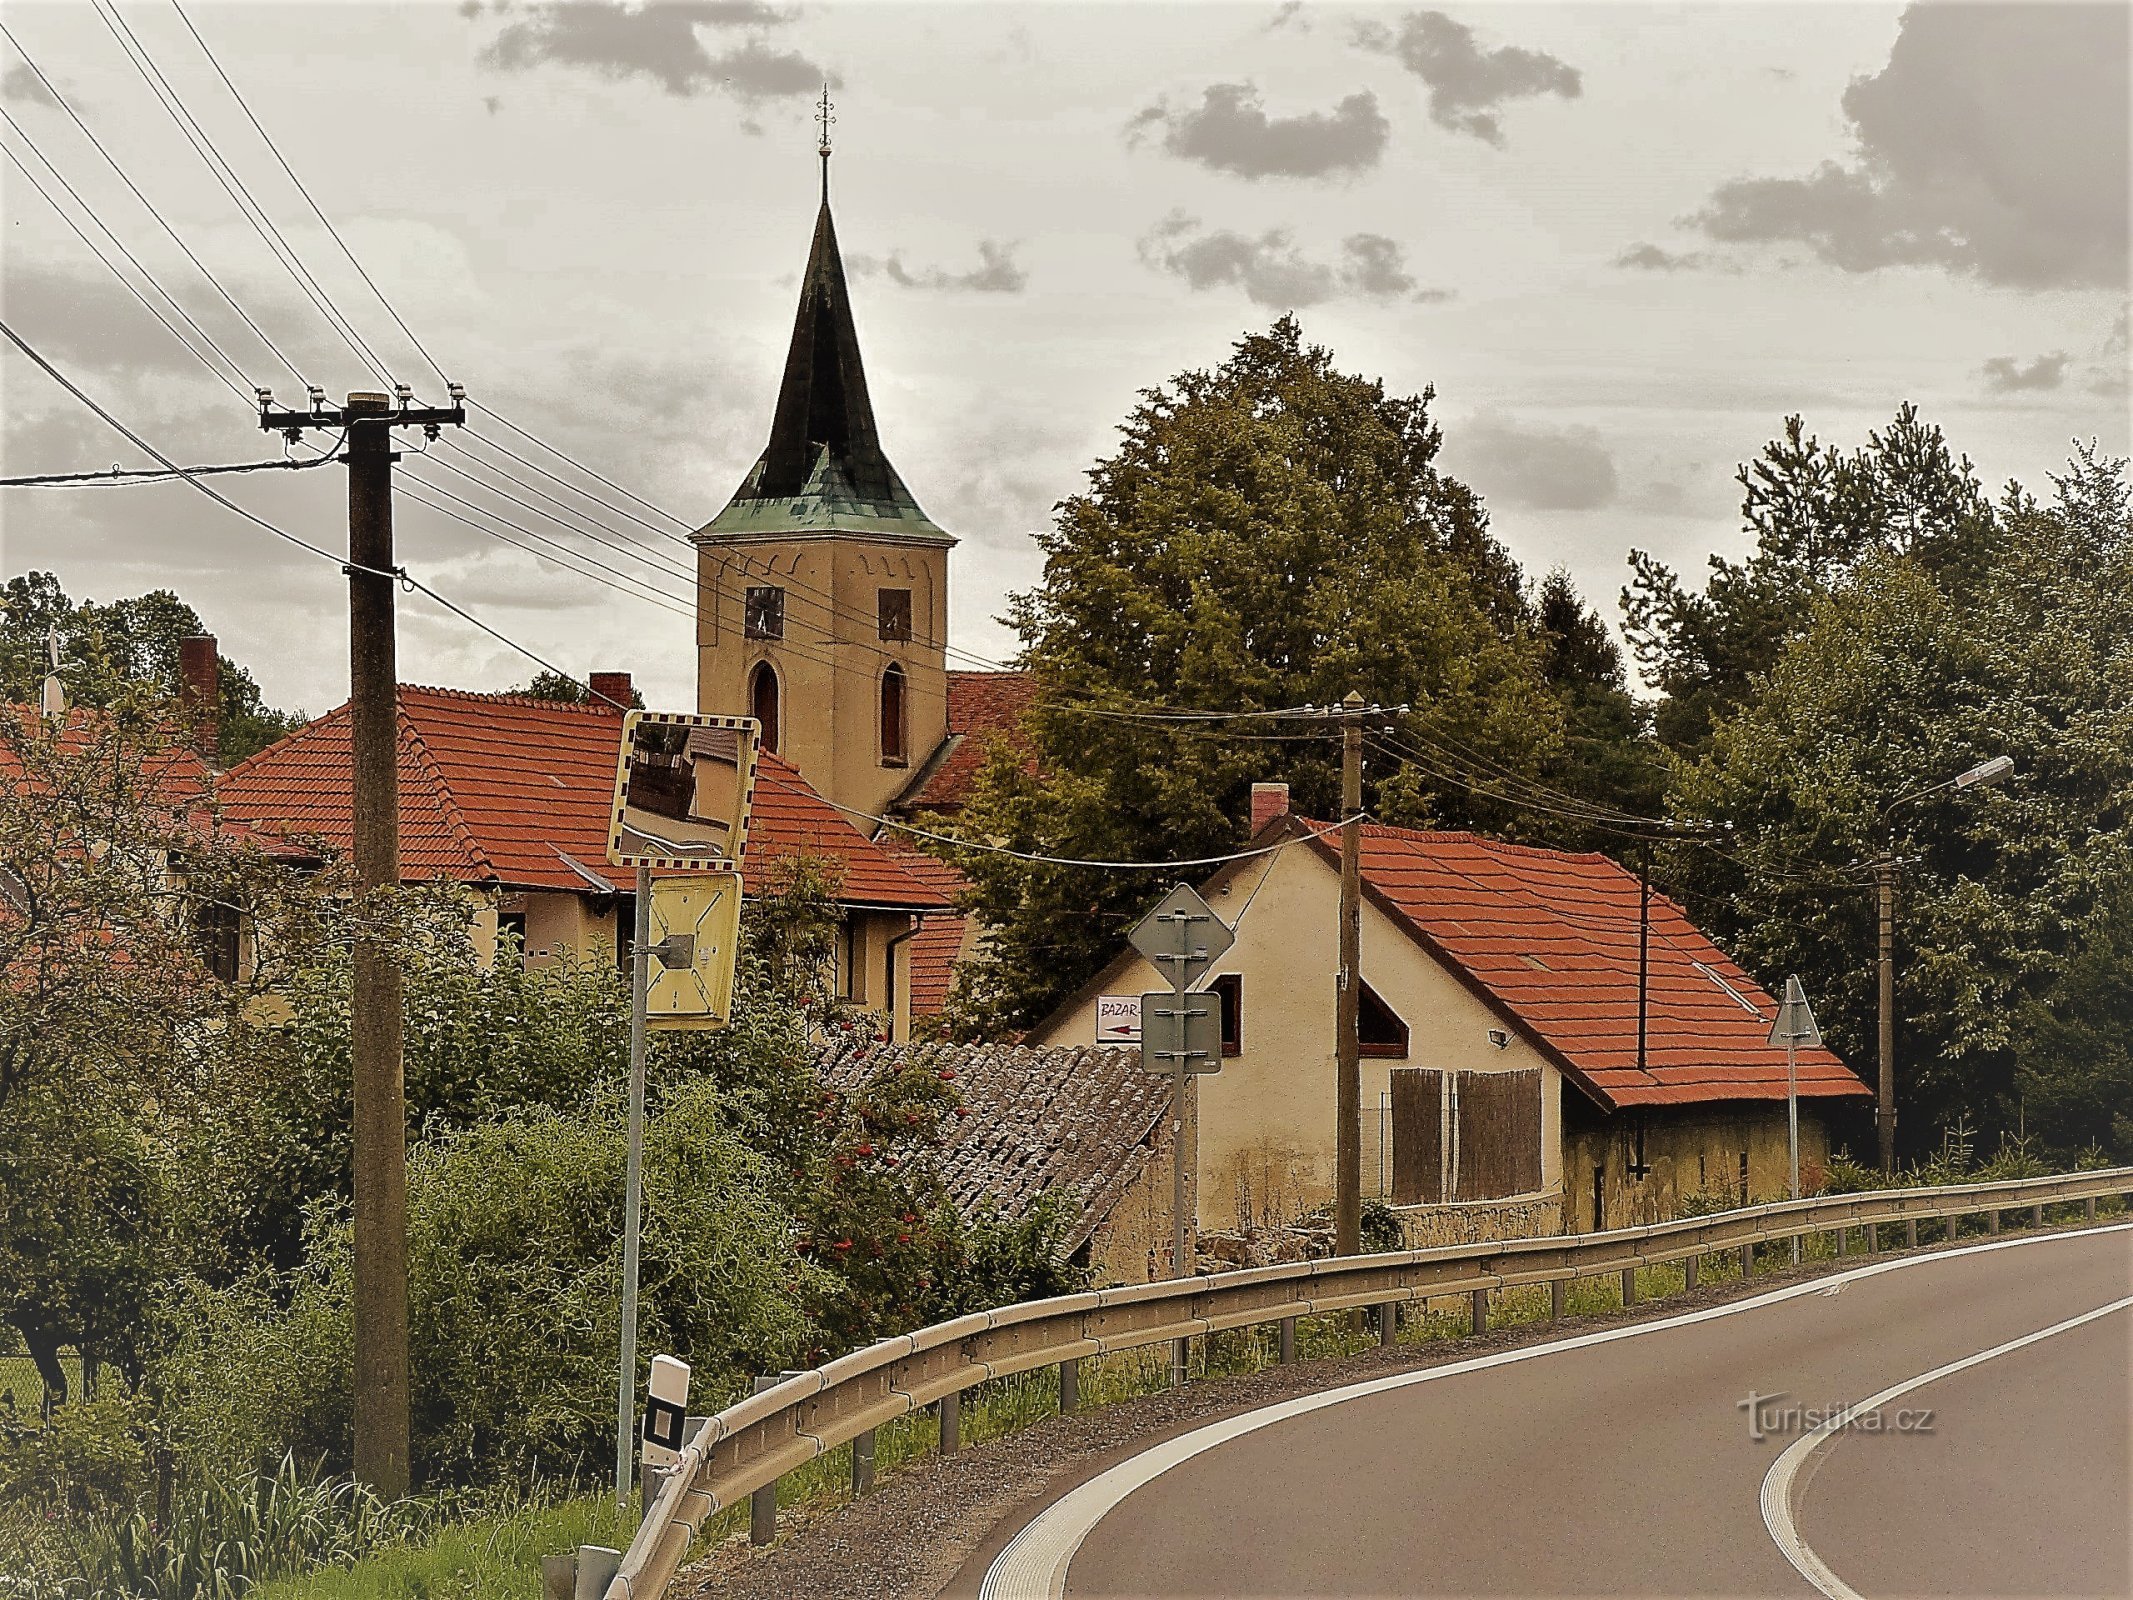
(763, 616)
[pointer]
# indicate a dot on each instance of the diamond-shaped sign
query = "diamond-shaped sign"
(1182, 937)
(1181, 1031)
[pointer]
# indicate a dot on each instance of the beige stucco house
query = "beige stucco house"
(510, 798)
(1504, 1087)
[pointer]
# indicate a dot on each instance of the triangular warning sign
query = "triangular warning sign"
(1795, 1024)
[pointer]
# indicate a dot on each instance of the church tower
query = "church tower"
(822, 588)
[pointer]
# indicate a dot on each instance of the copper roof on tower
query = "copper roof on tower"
(823, 470)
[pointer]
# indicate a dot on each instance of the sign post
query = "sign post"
(1793, 1027)
(684, 789)
(1181, 1032)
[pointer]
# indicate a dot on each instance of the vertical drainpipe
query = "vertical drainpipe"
(888, 976)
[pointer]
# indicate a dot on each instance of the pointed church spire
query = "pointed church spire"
(824, 467)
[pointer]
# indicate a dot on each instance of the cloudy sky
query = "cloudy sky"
(1622, 241)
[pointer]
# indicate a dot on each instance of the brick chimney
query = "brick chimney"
(200, 694)
(607, 686)
(1269, 800)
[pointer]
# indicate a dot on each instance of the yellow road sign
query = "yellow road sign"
(696, 924)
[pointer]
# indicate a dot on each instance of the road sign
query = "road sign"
(1118, 1019)
(1182, 936)
(1181, 1032)
(1795, 1023)
(684, 788)
(696, 924)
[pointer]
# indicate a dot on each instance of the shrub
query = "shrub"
(515, 1233)
(88, 1457)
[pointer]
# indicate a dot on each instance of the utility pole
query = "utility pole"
(1644, 956)
(381, 1366)
(633, 1187)
(1885, 964)
(1347, 1070)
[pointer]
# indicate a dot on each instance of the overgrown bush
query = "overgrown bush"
(515, 1231)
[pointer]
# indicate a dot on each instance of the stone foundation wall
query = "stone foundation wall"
(1529, 1217)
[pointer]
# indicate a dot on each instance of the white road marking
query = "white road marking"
(1033, 1566)
(1780, 1481)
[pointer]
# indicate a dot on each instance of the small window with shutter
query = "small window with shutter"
(892, 612)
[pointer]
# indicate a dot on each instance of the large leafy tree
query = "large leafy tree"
(1905, 671)
(129, 643)
(1271, 532)
(1816, 514)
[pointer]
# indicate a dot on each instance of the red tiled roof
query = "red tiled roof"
(939, 940)
(505, 789)
(791, 819)
(983, 707)
(1550, 939)
(174, 768)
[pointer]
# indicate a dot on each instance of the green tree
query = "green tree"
(1905, 672)
(106, 648)
(1270, 533)
(1815, 515)
(548, 685)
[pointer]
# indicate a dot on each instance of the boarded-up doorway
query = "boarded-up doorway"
(1464, 1135)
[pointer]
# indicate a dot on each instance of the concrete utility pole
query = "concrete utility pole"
(1885, 963)
(381, 1367)
(633, 1186)
(1347, 1070)
(381, 1383)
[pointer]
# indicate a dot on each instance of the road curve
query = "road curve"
(1623, 1462)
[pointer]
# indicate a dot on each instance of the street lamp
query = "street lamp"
(1885, 906)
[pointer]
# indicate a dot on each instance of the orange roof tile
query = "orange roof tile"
(983, 707)
(506, 789)
(1549, 938)
(938, 943)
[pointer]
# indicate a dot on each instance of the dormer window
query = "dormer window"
(763, 616)
(892, 611)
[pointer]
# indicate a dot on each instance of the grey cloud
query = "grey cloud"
(1651, 258)
(1533, 465)
(1467, 84)
(22, 86)
(1993, 143)
(997, 271)
(1375, 265)
(1290, 14)
(1272, 271)
(658, 41)
(1230, 131)
(92, 320)
(2006, 375)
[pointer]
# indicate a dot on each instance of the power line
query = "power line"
(401, 574)
(132, 477)
(1060, 861)
(134, 188)
(232, 185)
(238, 389)
(306, 193)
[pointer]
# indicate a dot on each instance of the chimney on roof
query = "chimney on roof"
(200, 694)
(606, 686)
(1269, 800)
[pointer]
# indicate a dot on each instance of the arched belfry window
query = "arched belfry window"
(892, 717)
(763, 701)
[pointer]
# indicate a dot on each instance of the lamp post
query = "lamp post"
(1885, 865)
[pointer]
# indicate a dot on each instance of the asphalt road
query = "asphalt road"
(1623, 1462)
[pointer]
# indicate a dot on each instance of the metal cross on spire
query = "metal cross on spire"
(823, 121)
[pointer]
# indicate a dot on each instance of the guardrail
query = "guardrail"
(756, 1441)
